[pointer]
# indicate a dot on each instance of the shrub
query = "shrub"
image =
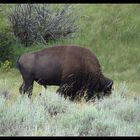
(6, 66)
(52, 115)
(5, 45)
(40, 23)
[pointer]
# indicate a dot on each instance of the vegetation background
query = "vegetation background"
(112, 32)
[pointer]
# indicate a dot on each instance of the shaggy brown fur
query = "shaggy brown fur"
(74, 69)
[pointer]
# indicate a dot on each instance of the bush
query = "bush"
(52, 115)
(6, 66)
(5, 46)
(40, 23)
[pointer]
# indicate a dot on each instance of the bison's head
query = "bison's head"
(106, 86)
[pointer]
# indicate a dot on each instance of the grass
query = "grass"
(112, 32)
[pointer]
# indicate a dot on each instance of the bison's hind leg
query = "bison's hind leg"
(27, 86)
(21, 89)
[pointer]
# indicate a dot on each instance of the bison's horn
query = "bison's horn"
(109, 84)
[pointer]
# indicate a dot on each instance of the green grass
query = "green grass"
(112, 32)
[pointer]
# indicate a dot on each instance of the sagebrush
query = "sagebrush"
(41, 23)
(52, 115)
(5, 46)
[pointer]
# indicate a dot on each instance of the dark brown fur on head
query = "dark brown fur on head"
(105, 86)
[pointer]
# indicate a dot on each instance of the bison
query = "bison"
(76, 70)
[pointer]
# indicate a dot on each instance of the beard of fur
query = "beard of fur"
(78, 86)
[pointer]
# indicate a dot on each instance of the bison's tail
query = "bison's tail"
(17, 63)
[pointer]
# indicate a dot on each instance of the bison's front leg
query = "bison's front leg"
(90, 92)
(90, 95)
(62, 90)
(70, 86)
(68, 90)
